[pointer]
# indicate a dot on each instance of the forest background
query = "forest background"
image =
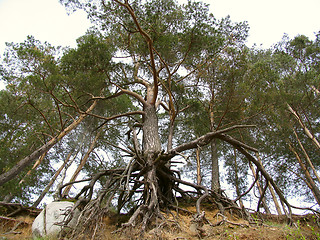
(233, 87)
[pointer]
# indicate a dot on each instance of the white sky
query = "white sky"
(47, 20)
(270, 19)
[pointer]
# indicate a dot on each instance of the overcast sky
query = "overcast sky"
(48, 21)
(270, 19)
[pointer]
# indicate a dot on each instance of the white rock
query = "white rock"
(54, 213)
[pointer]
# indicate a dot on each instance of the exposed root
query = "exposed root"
(144, 188)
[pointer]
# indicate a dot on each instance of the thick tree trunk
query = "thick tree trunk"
(151, 149)
(151, 139)
(215, 176)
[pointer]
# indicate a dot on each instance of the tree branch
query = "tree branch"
(150, 46)
(205, 139)
(23, 163)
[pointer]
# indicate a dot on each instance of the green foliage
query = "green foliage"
(93, 56)
(207, 78)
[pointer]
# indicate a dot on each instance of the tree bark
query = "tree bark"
(198, 166)
(275, 200)
(276, 203)
(81, 165)
(151, 150)
(215, 175)
(46, 190)
(37, 163)
(25, 162)
(305, 129)
(237, 178)
(151, 139)
(307, 156)
(264, 203)
(313, 187)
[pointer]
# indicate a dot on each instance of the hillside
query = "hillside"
(180, 226)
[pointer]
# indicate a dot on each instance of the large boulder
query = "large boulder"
(48, 222)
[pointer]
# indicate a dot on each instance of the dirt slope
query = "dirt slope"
(180, 226)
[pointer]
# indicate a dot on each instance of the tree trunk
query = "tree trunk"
(151, 139)
(237, 178)
(81, 165)
(307, 156)
(37, 163)
(314, 189)
(170, 140)
(264, 203)
(215, 177)
(275, 200)
(276, 203)
(198, 166)
(305, 129)
(155, 182)
(25, 162)
(46, 190)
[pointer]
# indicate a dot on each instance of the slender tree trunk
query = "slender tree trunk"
(170, 140)
(198, 166)
(314, 189)
(305, 129)
(25, 162)
(307, 156)
(37, 163)
(284, 208)
(46, 190)
(170, 136)
(56, 194)
(215, 177)
(264, 203)
(81, 165)
(274, 198)
(237, 178)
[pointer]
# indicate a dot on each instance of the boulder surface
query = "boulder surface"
(47, 222)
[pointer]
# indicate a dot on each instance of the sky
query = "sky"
(47, 20)
(270, 19)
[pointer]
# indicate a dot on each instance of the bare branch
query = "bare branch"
(23, 163)
(107, 119)
(205, 139)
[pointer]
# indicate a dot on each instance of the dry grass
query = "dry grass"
(180, 227)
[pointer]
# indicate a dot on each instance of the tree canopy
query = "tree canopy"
(154, 93)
